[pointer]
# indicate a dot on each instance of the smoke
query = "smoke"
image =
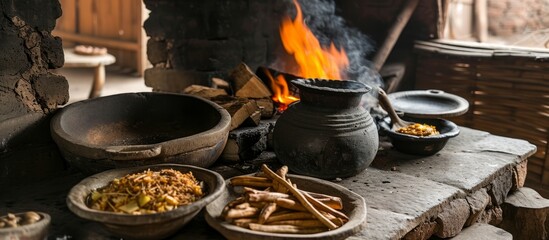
(320, 16)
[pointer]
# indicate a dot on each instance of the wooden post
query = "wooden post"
(394, 33)
(98, 81)
(481, 20)
(526, 215)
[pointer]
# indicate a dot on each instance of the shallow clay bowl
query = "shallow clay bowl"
(33, 231)
(146, 226)
(415, 145)
(136, 129)
(354, 206)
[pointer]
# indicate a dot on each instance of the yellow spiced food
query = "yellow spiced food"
(421, 130)
(147, 192)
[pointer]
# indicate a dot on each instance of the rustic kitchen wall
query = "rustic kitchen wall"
(29, 92)
(192, 41)
(197, 39)
(509, 17)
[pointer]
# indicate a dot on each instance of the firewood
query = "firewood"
(253, 119)
(203, 91)
(220, 83)
(266, 105)
(240, 109)
(246, 84)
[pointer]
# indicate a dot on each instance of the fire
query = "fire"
(281, 94)
(314, 60)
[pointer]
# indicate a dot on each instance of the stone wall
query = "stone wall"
(509, 17)
(196, 39)
(192, 41)
(29, 92)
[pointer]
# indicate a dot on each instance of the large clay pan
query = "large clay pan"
(135, 129)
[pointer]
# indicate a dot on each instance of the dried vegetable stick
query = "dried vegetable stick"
(325, 208)
(250, 183)
(244, 222)
(302, 199)
(331, 201)
(240, 213)
(282, 173)
(251, 179)
(266, 212)
(299, 223)
(284, 228)
(265, 196)
(290, 216)
(290, 204)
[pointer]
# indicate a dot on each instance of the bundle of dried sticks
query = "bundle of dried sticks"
(280, 207)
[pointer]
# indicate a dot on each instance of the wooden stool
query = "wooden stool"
(98, 62)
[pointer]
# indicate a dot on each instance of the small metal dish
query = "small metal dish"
(34, 231)
(145, 226)
(420, 145)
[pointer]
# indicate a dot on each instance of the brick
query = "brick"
(171, 80)
(157, 51)
(207, 55)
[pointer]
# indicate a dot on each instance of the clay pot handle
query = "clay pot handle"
(133, 152)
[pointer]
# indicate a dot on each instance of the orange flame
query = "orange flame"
(281, 94)
(314, 61)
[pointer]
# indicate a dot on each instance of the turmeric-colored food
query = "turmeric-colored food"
(147, 192)
(417, 129)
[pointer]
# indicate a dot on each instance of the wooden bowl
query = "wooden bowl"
(145, 226)
(354, 206)
(34, 231)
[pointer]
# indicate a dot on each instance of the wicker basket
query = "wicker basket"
(507, 89)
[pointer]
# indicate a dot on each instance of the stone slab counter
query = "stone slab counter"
(408, 197)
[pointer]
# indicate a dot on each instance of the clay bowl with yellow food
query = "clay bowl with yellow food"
(147, 202)
(425, 137)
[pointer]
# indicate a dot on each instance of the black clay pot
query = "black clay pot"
(327, 134)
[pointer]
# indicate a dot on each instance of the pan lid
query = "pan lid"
(428, 103)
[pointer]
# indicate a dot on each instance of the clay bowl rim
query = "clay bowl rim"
(385, 125)
(355, 224)
(71, 143)
(30, 230)
(76, 197)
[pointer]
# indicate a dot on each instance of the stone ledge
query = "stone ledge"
(473, 166)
